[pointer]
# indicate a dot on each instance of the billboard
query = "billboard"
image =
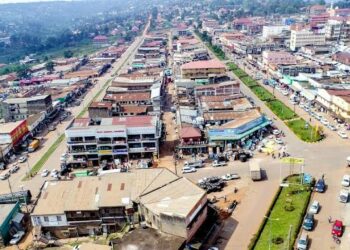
(18, 132)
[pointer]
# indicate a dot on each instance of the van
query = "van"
(344, 196)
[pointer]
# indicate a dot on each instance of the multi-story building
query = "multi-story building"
(337, 29)
(15, 109)
(275, 30)
(104, 204)
(225, 88)
(92, 141)
(342, 57)
(203, 69)
(300, 38)
(277, 58)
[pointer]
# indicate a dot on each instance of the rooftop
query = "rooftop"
(25, 99)
(8, 127)
(190, 132)
(209, 64)
(5, 210)
(129, 121)
(107, 105)
(137, 96)
(154, 187)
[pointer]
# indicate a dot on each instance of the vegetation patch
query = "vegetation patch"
(279, 223)
(304, 130)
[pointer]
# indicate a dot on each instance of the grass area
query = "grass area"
(286, 214)
(36, 168)
(219, 53)
(304, 130)
(281, 110)
(292, 120)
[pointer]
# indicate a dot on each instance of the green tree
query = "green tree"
(50, 66)
(68, 54)
(23, 71)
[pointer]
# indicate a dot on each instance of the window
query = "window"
(46, 219)
(59, 218)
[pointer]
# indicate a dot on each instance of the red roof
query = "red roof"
(209, 64)
(100, 38)
(190, 132)
(107, 105)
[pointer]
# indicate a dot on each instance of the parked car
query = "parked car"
(17, 237)
(22, 159)
(276, 132)
(342, 134)
(219, 163)
(344, 196)
(279, 141)
(188, 170)
(228, 177)
(308, 223)
(337, 228)
(320, 186)
(315, 206)
(45, 173)
(332, 127)
(285, 92)
(4, 175)
(54, 173)
(14, 168)
(303, 242)
(324, 122)
(346, 181)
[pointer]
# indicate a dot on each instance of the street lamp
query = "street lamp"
(268, 218)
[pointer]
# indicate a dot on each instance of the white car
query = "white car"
(276, 132)
(279, 141)
(342, 134)
(54, 173)
(45, 173)
(228, 177)
(324, 122)
(346, 181)
(315, 206)
(22, 159)
(186, 170)
(285, 92)
(17, 237)
(331, 127)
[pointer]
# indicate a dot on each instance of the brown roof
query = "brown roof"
(134, 109)
(238, 117)
(190, 132)
(107, 105)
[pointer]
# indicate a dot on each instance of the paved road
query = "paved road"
(326, 157)
(53, 162)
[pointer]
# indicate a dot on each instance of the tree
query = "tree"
(23, 71)
(50, 66)
(68, 54)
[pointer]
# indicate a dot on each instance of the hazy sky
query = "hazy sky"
(26, 1)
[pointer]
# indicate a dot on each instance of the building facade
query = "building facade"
(300, 38)
(96, 140)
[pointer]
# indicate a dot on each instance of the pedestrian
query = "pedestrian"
(225, 198)
(279, 155)
(329, 219)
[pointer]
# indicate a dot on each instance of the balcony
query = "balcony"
(81, 141)
(142, 149)
(120, 151)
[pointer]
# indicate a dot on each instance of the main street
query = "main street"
(326, 157)
(53, 161)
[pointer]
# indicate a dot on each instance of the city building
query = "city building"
(239, 127)
(15, 109)
(13, 133)
(337, 29)
(91, 141)
(10, 222)
(300, 38)
(104, 204)
(273, 30)
(277, 58)
(203, 69)
(229, 88)
(342, 57)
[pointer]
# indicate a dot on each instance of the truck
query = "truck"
(34, 145)
(255, 171)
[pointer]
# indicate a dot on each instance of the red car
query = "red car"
(337, 228)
